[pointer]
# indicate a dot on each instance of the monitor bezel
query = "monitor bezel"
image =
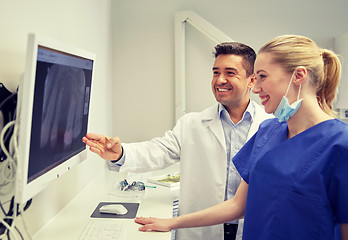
(24, 191)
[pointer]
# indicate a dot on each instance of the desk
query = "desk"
(72, 220)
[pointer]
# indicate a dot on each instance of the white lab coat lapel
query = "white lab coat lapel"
(212, 119)
(213, 122)
(259, 117)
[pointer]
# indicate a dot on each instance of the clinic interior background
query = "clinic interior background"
(133, 89)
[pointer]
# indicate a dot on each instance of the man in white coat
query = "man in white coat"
(203, 142)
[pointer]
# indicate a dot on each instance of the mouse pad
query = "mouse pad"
(131, 207)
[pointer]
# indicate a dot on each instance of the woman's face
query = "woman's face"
(271, 81)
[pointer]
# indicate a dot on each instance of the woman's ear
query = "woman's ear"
(300, 75)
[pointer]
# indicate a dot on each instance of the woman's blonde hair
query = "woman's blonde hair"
(323, 66)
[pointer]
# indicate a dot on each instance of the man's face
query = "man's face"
(230, 84)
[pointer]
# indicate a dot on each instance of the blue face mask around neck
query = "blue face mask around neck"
(285, 110)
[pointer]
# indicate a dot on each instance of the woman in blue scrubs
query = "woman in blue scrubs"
(295, 168)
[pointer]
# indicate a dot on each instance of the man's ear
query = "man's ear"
(252, 81)
(300, 75)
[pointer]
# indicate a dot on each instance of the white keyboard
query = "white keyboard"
(104, 230)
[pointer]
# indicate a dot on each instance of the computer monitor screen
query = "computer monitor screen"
(54, 98)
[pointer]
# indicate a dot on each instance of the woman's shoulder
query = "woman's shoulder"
(270, 124)
(338, 129)
(340, 124)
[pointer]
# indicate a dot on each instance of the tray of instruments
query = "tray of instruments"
(167, 180)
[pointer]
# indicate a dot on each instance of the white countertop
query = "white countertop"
(72, 220)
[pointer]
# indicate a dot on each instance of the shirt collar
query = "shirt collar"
(250, 111)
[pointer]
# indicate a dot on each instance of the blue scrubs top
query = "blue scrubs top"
(298, 187)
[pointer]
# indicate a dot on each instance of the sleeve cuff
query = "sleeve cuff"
(120, 161)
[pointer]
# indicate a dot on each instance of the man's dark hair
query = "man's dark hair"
(238, 49)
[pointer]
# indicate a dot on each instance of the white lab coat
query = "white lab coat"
(198, 142)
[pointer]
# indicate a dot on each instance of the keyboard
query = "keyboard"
(98, 229)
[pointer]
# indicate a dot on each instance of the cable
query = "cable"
(9, 165)
(9, 222)
(7, 175)
(19, 233)
(3, 131)
(25, 227)
(8, 216)
(7, 99)
(8, 109)
(9, 228)
(8, 168)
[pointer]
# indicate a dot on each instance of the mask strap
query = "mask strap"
(287, 90)
(299, 90)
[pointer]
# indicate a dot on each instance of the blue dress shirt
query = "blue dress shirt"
(235, 137)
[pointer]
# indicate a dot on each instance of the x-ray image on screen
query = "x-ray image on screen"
(62, 89)
(63, 107)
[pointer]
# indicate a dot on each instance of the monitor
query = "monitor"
(52, 115)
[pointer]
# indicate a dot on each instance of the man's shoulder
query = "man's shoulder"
(196, 119)
(207, 113)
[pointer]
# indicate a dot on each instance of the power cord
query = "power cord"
(8, 222)
(8, 109)
(8, 168)
(7, 226)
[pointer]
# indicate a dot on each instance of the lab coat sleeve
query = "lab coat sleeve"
(157, 153)
(115, 166)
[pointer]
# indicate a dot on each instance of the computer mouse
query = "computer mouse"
(116, 208)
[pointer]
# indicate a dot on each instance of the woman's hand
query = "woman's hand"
(155, 224)
(226, 211)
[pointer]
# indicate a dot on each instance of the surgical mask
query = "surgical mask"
(285, 110)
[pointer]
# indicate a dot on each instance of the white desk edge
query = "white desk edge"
(70, 222)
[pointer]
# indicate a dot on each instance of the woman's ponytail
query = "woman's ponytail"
(326, 94)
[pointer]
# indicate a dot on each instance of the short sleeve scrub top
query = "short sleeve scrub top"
(298, 187)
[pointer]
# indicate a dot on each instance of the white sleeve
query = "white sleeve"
(157, 153)
(115, 166)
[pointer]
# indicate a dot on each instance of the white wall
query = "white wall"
(82, 23)
(143, 41)
(341, 46)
